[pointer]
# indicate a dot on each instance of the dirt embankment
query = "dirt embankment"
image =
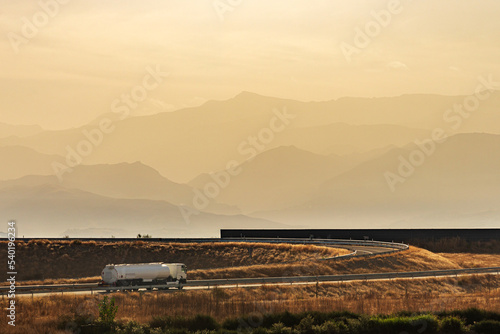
(413, 259)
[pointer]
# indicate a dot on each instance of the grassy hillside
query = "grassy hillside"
(43, 259)
(470, 260)
(414, 259)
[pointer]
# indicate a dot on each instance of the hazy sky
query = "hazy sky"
(76, 63)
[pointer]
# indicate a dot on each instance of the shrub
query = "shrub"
(67, 322)
(177, 331)
(259, 330)
(202, 322)
(452, 325)
(331, 327)
(425, 323)
(306, 325)
(280, 328)
(155, 331)
(416, 324)
(159, 322)
(318, 317)
(107, 310)
(287, 318)
(132, 327)
(343, 315)
(473, 315)
(486, 327)
(355, 326)
(199, 322)
(233, 323)
(96, 328)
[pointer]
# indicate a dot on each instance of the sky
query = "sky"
(65, 68)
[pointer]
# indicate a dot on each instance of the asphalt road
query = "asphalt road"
(364, 250)
(355, 246)
(279, 281)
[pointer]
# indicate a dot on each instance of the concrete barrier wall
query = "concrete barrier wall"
(388, 235)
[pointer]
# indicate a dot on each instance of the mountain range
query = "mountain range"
(255, 161)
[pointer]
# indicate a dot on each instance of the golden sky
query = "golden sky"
(87, 53)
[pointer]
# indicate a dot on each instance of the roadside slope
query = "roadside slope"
(413, 259)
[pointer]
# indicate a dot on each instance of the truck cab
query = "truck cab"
(178, 271)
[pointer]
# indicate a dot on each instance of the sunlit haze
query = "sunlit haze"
(179, 118)
(92, 51)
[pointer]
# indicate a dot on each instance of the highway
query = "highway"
(365, 250)
(357, 247)
(46, 290)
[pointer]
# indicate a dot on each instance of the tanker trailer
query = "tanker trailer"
(170, 274)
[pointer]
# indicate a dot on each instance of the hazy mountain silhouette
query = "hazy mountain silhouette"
(458, 184)
(345, 139)
(274, 179)
(186, 143)
(18, 161)
(322, 164)
(124, 180)
(49, 210)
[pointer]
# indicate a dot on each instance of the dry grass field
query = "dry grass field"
(40, 260)
(471, 260)
(233, 260)
(414, 259)
(41, 315)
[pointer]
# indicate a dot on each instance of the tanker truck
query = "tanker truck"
(135, 275)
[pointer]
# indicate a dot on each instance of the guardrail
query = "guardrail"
(258, 280)
(369, 243)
